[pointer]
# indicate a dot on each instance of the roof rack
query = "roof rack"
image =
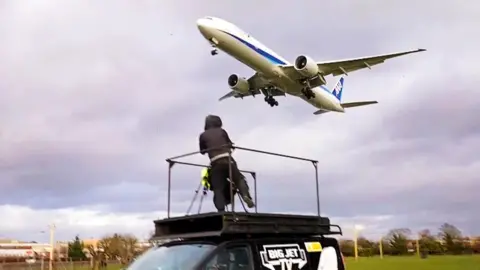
(174, 160)
(234, 224)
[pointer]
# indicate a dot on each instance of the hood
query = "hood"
(213, 121)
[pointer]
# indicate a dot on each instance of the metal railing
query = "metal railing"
(173, 160)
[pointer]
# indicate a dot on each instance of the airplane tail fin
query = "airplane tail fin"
(338, 89)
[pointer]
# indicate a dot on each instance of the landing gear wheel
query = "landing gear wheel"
(214, 52)
(308, 93)
(271, 101)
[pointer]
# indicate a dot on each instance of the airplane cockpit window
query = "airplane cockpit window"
(209, 18)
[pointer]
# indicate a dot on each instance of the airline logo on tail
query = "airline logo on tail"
(338, 89)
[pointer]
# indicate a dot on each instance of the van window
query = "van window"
(175, 257)
(231, 258)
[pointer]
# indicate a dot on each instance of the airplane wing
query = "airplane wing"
(257, 83)
(339, 67)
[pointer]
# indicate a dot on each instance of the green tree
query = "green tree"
(428, 243)
(452, 238)
(398, 241)
(75, 249)
(346, 247)
(386, 248)
(119, 246)
(130, 249)
(476, 245)
(97, 255)
(367, 248)
(467, 245)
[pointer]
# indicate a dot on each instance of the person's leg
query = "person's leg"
(227, 194)
(218, 183)
(241, 183)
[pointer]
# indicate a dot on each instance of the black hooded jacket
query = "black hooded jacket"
(214, 136)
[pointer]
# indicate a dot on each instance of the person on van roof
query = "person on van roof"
(216, 142)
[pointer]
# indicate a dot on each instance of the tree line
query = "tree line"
(119, 247)
(402, 241)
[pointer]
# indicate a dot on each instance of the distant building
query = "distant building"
(19, 249)
(24, 250)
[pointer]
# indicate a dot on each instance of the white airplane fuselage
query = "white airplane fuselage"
(240, 45)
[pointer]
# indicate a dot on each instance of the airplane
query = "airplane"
(275, 76)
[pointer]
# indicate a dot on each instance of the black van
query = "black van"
(243, 241)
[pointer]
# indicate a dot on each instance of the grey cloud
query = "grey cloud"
(108, 101)
(453, 115)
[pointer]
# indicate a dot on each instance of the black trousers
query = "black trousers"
(221, 187)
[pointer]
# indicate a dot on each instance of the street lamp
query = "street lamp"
(381, 247)
(417, 244)
(52, 245)
(357, 229)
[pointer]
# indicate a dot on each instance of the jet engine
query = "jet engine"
(306, 66)
(238, 84)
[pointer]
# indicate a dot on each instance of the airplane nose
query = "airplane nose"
(201, 25)
(204, 28)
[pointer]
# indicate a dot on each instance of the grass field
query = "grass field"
(391, 263)
(406, 263)
(414, 263)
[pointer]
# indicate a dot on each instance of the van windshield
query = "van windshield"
(175, 257)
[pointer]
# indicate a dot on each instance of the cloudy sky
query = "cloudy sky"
(94, 95)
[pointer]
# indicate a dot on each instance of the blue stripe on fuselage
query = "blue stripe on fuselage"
(263, 53)
(268, 56)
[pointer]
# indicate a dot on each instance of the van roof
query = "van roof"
(253, 225)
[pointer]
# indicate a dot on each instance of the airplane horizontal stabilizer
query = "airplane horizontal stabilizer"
(358, 104)
(228, 95)
(320, 112)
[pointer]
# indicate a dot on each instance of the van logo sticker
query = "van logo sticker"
(283, 257)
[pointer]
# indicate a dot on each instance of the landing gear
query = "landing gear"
(213, 42)
(267, 91)
(307, 90)
(308, 93)
(271, 101)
